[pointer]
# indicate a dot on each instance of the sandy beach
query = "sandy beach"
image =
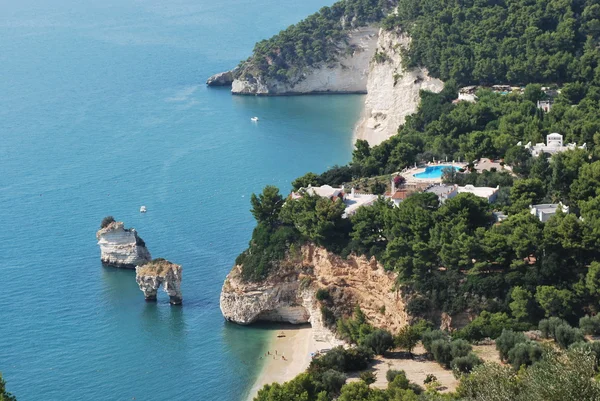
(296, 346)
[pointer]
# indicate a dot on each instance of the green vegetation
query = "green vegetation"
(558, 376)
(4, 394)
(316, 39)
(106, 221)
(516, 41)
(453, 257)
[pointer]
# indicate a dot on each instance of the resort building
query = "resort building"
(545, 105)
(445, 192)
(544, 211)
(353, 200)
(554, 144)
(467, 94)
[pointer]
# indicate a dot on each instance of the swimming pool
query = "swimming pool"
(434, 172)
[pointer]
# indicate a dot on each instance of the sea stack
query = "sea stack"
(151, 275)
(121, 247)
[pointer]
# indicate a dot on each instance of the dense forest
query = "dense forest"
(313, 40)
(514, 275)
(502, 41)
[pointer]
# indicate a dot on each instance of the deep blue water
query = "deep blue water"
(103, 108)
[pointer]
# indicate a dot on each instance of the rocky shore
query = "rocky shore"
(289, 294)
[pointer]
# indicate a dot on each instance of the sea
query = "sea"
(103, 109)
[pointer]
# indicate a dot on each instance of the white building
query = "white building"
(353, 200)
(445, 192)
(554, 144)
(544, 211)
(545, 105)
(467, 94)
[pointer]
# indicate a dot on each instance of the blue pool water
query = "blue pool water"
(434, 172)
(103, 108)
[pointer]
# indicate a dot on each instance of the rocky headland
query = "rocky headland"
(150, 276)
(289, 293)
(369, 61)
(121, 247)
(348, 74)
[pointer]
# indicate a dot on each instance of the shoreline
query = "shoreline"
(297, 347)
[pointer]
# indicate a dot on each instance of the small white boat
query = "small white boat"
(143, 209)
(255, 119)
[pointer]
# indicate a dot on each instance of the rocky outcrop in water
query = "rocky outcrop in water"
(150, 276)
(393, 92)
(289, 294)
(348, 74)
(223, 78)
(121, 247)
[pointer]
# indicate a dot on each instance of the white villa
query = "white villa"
(445, 192)
(544, 211)
(554, 144)
(353, 200)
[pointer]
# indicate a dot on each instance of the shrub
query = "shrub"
(590, 325)
(548, 326)
(459, 348)
(392, 373)
(332, 381)
(328, 316)
(368, 377)
(106, 221)
(464, 364)
(379, 341)
(566, 335)
(442, 352)
(432, 335)
(400, 382)
(429, 378)
(507, 341)
(418, 306)
(487, 325)
(524, 353)
(343, 360)
(322, 294)
(592, 347)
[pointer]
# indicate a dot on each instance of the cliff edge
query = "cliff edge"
(289, 293)
(121, 247)
(393, 92)
(348, 74)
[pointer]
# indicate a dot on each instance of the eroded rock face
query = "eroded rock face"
(289, 294)
(121, 247)
(392, 91)
(222, 79)
(150, 276)
(346, 75)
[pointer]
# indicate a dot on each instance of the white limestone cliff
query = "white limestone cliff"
(150, 276)
(121, 247)
(392, 91)
(288, 295)
(346, 75)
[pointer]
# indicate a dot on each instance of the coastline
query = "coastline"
(296, 347)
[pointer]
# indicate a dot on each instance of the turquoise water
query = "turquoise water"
(433, 172)
(103, 109)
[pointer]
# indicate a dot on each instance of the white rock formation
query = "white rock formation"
(392, 91)
(347, 75)
(288, 295)
(222, 78)
(121, 247)
(150, 276)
